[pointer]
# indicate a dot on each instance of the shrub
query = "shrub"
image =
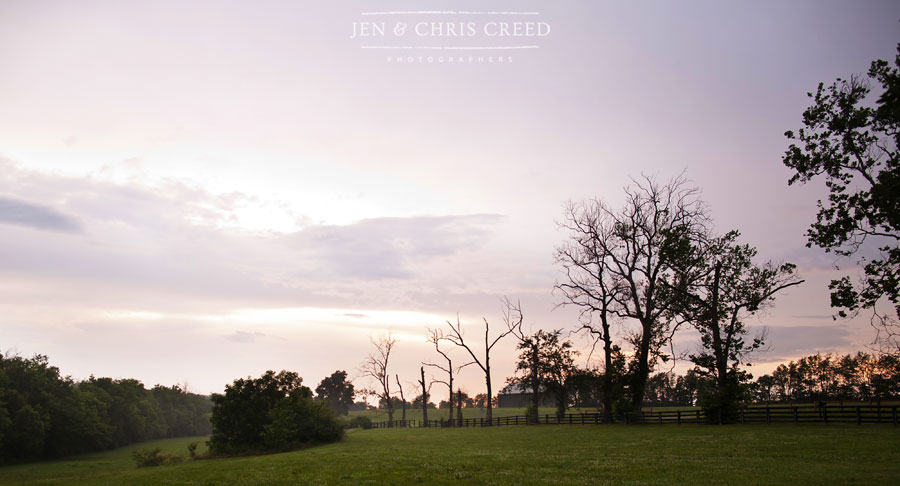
(360, 422)
(155, 457)
(272, 412)
(298, 421)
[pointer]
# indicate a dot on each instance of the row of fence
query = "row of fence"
(766, 415)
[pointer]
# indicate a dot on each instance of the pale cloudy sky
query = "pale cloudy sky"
(205, 190)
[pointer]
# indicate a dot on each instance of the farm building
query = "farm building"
(517, 396)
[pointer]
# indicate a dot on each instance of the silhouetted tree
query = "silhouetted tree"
(632, 242)
(435, 336)
(456, 337)
(855, 147)
(591, 284)
(529, 358)
(715, 287)
(556, 366)
(402, 398)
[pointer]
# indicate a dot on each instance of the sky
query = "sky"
(192, 192)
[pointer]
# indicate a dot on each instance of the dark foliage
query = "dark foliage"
(272, 412)
(831, 377)
(336, 392)
(44, 415)
(854, 147)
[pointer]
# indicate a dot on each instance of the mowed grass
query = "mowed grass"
(615, 455)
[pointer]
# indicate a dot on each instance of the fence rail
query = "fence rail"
(869, 414)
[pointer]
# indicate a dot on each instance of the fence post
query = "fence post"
(894, 413)
(547, 418)
(678, 416)
(825, 414)
(698, 416)
(858, 416)
(796, 420)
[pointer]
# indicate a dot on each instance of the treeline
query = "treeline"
(859, 377)
(45, 415)
(819, 377)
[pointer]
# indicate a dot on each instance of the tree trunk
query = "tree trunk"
(450, 386)
(639, 381)
(459, 408)
(535, 381)
(490, 406)
(424, 397)
(607, 372)
(487, 376)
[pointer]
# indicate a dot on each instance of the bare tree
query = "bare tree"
(590, 282)
(513, 318)
(376, 366)
(636, 245)
(402, 398)
(425, 390)
(435, 336)
(456, 337)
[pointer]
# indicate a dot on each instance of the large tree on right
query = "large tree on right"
(855, 146)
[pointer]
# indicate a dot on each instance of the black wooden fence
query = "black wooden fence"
(868, 414)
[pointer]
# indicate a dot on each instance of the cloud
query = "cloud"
(245, 337)
(13, 211)
(355, 315)
(389, 248)
(789, 342)
(171, 245)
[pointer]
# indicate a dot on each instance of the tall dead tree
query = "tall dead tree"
(435, 336)
(456, 337)
(402, 398)
(376, 366)
(424, 396)
(513, 318)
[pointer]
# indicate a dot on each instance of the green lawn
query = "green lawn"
(636, 455)
(434, 414)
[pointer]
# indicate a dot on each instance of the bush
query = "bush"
(272, 412)
(155, 457)
(360, 422)
(299, 421)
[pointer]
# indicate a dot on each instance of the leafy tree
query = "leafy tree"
(715, 286)
(296, 420)
(854, 147)
(243, 416)
(46, 415)
(555, 369)
(336, 392)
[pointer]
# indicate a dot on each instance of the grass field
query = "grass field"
(620, 455)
